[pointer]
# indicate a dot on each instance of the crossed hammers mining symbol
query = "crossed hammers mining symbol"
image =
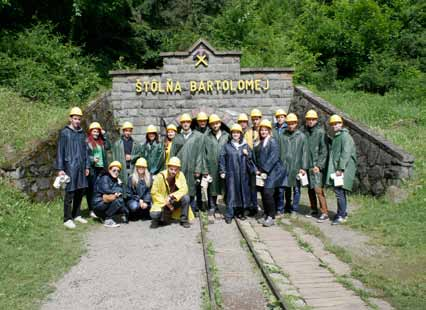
(201, 59)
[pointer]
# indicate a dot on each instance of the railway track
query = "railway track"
(263, 269)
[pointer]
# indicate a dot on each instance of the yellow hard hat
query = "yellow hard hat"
(335, 119)
(115, 163)
(237, 127)
(255, 113)
(185, 118)
(174, 161)
(266, 123)
(311, 114)
(280, 112)
(76, 111)
(95, 125)
(172, 127)
(291, 118)
(214, 118)
(127, 125)
(202, 116)
(242, 118)
(151, 129)
(141, 162)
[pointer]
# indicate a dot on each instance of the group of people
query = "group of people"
(163, 178)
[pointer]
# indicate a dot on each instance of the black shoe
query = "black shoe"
(228, 221)
(185, 224)
(155, 224)
(252, 213)
(124, 219)
(314, 213)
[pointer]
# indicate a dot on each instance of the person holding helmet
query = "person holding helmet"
(168, 143)
(341, 161)
(152, 150)
(108, 200)
(138, 190)
(188, 146)
(97, 145)
(126, 151)
(317, 159)
(202, 120)
(170, 196)
(214, 140)
(280, 125)
(294, 154)
(72, 159)
(269, 165)
(236, 167)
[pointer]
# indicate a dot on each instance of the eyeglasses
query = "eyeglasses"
(115, 170)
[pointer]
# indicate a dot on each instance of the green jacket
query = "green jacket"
(118, 154)
(212, 147)
(154, 155)
(293, 153)
(189, 152)
(106, 147)
(342, 157)
(317, 154)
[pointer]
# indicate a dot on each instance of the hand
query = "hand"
(171, 208)
(205, 175)
(245, 152)
(87, 172)
(257, 172)
(339, 173)
(103, 132)
(117, 194)
(61, 173)
(128, 157)
(222, 175)
(96, 160)
(315, 169)
(197, 175)
(142, 204)
(302, 172)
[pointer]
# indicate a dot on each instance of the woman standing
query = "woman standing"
(152, 150)
(138, 190)
(270, 165)
(168, 143)
(236, 167)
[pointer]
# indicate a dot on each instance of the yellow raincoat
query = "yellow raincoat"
(251, 136)
(160, 192)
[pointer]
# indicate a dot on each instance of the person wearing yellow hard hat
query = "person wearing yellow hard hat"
(108, 200)
(72, 161)
(202, 121)
(152, 150)
(252, 134)
(214, 140)
(126, 151)
(170, 197)
(317, 159)
(243, 122)
(97, 145)
(271, 169)
(342, 163)
(280, 124)
(138, 190)
(236, 166)
(168, 143)
(294, 154)
(188, 146)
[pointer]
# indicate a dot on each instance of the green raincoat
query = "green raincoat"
(212, 147)
(118, 154)
(189, 152)
(154, 155)
(317, 154)
(342, 157)
(293, 153)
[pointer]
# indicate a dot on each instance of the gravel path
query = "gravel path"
(135, 267)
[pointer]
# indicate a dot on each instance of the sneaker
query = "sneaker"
(185, 224)
(80, 220)
(345, 219)
(261, 220)
(93, 215)
(280, 214)
(155, 223)
(124, 219)
(268, 222)
(312, 214)
(110, 223)
(322, 218)
(293, 214)
(69, 224)
(339, 220)
(228, 221)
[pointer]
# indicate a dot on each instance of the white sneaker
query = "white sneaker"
(93, 215)
(110, 223)
(69, 224)
(80, 220)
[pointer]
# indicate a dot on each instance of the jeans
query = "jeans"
(192, 204)
(279, 199)
(268, 201)
(108, 210)
(183, 204)
(72, 204)
(289, 206)
(134, 208)
(212, 203)
(91, 179)
(253, 191)
(341, 201)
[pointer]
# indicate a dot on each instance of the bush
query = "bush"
(36, 64)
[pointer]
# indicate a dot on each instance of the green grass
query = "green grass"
(23, 121)
(400, 228)
(35, 248)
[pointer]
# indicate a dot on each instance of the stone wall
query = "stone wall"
(146, 108)
(34, 172)
(380, 163)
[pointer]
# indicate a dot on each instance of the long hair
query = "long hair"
(93, 143)
(136, 179)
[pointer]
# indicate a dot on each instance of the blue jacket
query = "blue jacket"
(268, 161)
(140, 192)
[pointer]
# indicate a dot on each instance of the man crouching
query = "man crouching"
(170, 196)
